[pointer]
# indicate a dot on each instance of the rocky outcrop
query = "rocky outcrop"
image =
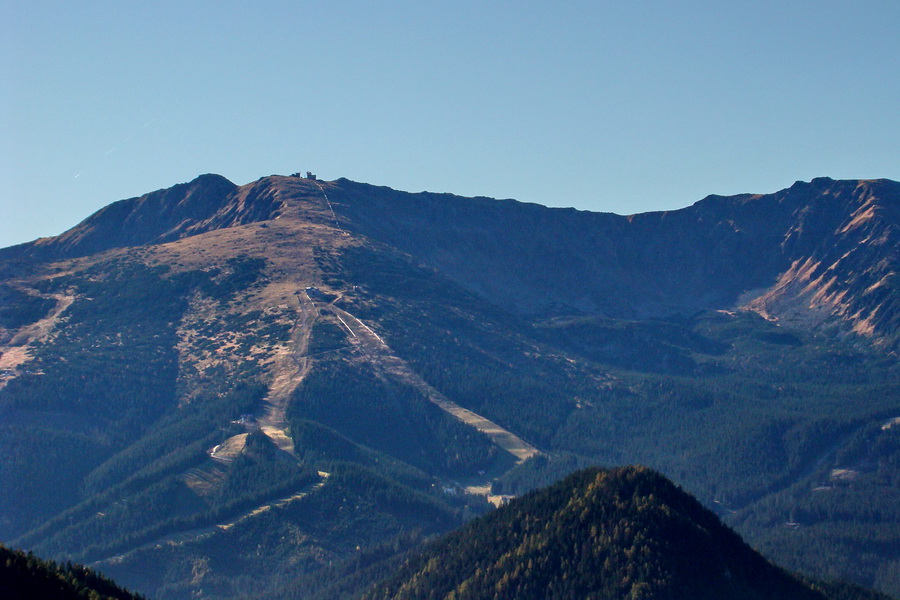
(843, 252)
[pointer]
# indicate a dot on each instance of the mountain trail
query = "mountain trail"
(330, 208)
(192, 535)
(290, 368)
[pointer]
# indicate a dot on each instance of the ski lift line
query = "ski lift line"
(369, 329)
(331, 208)
(345, 324)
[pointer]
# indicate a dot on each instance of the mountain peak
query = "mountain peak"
(617, 533)
(205, 178)
(162, 215)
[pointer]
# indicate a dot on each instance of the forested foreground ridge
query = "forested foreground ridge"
(26, 577)
(599, 534)
(289, 384)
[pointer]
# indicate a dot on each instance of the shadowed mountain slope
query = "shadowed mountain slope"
(815, 253)
(159, 216)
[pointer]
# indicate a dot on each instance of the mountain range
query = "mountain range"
(820, 252)
(213, 384)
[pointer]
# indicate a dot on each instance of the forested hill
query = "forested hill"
(602, 534)
(26, 577)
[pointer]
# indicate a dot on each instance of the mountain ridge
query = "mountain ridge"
(712, 255)
(817, 254)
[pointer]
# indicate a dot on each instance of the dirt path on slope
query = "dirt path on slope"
(191, 535)
(16, 351)
(289, 370)
(381, 355)
(290, 367)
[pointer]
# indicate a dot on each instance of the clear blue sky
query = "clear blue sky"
(608, 106)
